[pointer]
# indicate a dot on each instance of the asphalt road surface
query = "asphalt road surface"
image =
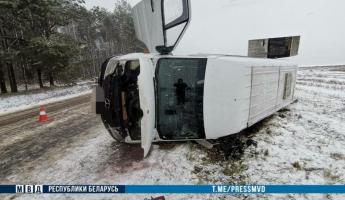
(24, 140)
(28, 149)
(73, 147)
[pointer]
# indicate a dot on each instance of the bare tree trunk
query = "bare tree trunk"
(93, 64)
(84, 72)
(24, 63)
(2, 81)
(12, 78)
(51, 79)
(39, 76)
(11, 75)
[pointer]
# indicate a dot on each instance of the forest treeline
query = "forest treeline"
(46, 42)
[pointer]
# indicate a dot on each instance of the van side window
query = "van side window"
(287, 86)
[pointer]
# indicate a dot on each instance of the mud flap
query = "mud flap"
(147, 104)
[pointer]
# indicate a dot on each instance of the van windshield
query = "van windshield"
(180, 90)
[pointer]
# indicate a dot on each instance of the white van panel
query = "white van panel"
(147, 104)
(263, 92)
(241, 91)
(267, 95)
(148, 23)
(226, 97)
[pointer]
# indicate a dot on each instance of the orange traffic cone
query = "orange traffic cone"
(43, 115)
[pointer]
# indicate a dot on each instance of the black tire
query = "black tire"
(113, 133)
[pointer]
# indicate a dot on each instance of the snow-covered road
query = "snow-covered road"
(303, 144)
(26, 100)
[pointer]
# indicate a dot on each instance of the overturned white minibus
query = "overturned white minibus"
(151, 98)
(145, 98)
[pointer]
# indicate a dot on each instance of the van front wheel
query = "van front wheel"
(114, 133)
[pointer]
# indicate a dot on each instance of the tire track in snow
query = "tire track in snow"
(54, 137)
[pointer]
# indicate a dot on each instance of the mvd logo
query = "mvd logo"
(29, 188)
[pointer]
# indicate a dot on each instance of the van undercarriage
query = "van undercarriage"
(122, 113)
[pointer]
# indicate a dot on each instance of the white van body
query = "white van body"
(145, 98)
(237, 93)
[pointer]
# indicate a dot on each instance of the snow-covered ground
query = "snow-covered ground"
(13, 103)
(303, 144)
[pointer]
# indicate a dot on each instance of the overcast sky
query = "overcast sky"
(225, 26)
(108, 4)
